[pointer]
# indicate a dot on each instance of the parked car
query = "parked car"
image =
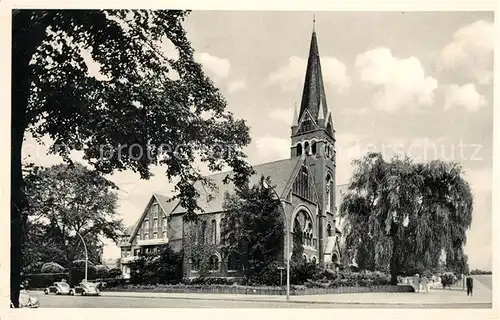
(85, 289)
(58, 288)
(26, 301)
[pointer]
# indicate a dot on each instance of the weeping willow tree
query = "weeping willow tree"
(405, 214)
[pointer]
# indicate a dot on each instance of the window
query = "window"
(165, 221)
(313, 260)
(154, 210)
(301, 185)
(303, 225)
(203, 232)
(195, 264)
(299, 149)
(155, 223)
(313, 148)
(329, 189)
(164, 234)
(146, 236)
(214, 231)
(329, 230)
(307, 149)
(214, 263)
(155, 235)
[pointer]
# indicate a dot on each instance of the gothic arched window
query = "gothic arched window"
(329, 230)
(303, 224)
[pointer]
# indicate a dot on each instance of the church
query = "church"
(305, 183)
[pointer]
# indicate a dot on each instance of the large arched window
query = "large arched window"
(304, 225)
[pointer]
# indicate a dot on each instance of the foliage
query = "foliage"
(102, 271)
(140, 110)
(407, 212)
(301, 271)
(324, 278)
(480, 272)
(44, 280)
(447, 280)
(77, 272)
(158, 267)
(51, 267)
(115, 273)
(63, 200)
(253, 227)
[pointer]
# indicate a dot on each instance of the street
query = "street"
(53, 301)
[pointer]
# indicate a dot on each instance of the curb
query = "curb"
(301, 301)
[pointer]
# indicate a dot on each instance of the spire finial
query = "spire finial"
(314, 22)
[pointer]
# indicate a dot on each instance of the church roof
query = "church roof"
(313, 95)
(280, 172)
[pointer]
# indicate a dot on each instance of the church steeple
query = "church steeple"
(313, 95)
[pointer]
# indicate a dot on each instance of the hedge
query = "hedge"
(44, 280)
(250, 290)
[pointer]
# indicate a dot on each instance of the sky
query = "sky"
(413, 83)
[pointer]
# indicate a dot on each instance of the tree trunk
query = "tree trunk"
(394, 261)
(28, 31)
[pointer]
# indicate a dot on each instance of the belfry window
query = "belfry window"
(307, 149)
(313, 148)
(299, 149)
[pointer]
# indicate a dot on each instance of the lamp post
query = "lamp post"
(86, 255)
(287, 252)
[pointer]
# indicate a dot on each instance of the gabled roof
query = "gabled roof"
(280, 172)
(165, 205)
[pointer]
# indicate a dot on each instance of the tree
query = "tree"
(51, 267)
(253, 227)
(66, 200)
(409, 211)
(161, 266)
(143, 108)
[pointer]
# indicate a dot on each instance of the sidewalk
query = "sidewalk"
(482, 294)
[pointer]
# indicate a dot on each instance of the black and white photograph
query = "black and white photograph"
(194, 158)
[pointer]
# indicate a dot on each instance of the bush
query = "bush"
(270, 275)
(115, 273)
(51, 267)
(300, 272)
(44, 280)
(102, 271)
(77, 272)
(324, 278)
(447, 280)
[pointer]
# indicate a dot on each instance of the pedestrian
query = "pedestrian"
(417, 283)
(425, 283)
(469, 282)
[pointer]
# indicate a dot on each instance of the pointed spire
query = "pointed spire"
(295, 116)
(313, 95)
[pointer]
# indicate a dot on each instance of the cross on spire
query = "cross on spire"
(314, 22)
